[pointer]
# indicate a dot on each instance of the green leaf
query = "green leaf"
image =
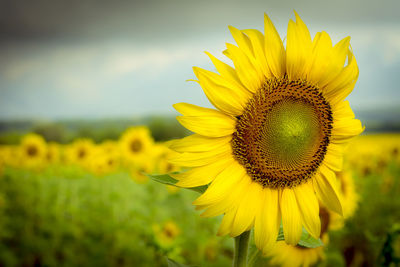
(172, 263)
(168, 180)
(280, 234)
(306, 239)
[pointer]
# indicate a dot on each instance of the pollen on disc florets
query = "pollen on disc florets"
(282, 136)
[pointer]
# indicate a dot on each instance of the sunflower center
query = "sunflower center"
(32, 150)
(136, 146)
(282, 135)
(81, 153)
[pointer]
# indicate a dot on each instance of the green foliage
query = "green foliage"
(168, 180)
(364, 239)
(54, 132)
(164, 129)
(64, 216)
(306, 239)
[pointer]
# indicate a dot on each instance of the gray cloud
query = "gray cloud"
(95, 58)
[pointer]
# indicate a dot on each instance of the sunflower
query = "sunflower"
(140, 168)
(161, 153)
(270, 148)
(109, 146)
(11, 155)
(33, 150)
(53, 154)
(103, 161)
(79, 152)
(166, 234)
(135, 143)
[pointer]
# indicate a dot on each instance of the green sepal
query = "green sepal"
(306, 239)
(168, 180)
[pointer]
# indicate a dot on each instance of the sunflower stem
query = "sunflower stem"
(241, 248)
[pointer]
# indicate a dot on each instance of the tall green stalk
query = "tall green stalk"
(241, 248)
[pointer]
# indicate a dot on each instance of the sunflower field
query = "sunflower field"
(274, 161)
(93, 204)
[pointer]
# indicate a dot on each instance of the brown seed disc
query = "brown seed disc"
(282, 136)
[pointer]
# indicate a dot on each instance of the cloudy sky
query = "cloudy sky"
(93, 59)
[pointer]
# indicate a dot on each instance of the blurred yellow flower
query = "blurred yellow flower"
(172, 189)
(135, 143)
(33, 150)
(53, 154)
(11, 155)
(161, 154)
(166, 234)
(80, 151)
(102, 161)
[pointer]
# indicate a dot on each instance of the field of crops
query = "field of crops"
(91, 204)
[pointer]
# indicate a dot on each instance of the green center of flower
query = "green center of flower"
(290, 133)
(282, 135)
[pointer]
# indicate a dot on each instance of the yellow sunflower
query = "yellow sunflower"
(270, 148)
(53, 154)
(140, 168)
(135, 143)
(103, 160)
(33, 150)
(161, 153)
(80, 151)
(11, 155)
(166, 234)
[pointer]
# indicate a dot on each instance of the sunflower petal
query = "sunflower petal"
(257, 42)
(320, 62)
(342, 110)
(309, 208)
(298, 49)
(346, 129)
(291, 217)
(221, 93)
(188, 159)
(227, 72)
(201, 175)
(208, 126)
(222, 184)
(268, 220)
(274, 50)
(334, 157)
(197, 143)
(247, 72)
(326, 188)
(336, 61)
(230, 200)
(226, 223)
(248, 207)
(342, 85)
